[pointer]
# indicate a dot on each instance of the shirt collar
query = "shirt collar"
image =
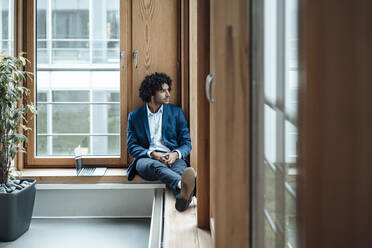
(149, 113)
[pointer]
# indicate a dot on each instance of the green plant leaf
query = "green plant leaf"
(12, 111)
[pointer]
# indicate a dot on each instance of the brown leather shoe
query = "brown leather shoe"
(187, 189)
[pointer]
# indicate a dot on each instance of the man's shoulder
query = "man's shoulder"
(173, 108)
(137, 111)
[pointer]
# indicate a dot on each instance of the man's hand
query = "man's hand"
(158, 156)
(169, 158)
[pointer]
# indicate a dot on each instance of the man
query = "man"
(159, 140)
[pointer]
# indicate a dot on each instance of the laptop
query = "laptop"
(80, 170)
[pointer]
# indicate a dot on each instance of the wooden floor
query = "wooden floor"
(180, 228)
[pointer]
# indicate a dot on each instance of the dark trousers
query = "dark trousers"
(151, 169)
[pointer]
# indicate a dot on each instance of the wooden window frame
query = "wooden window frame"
(278, 106)
(24, 41)
(28, 28)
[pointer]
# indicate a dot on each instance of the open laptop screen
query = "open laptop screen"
(78, 164)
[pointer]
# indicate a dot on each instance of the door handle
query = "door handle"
(135, 54)
(122, 59)
(208, 82)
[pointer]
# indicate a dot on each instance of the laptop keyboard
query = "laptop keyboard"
(87, 171)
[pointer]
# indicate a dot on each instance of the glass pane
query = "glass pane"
(290, 142)
(269, 236)
(276, 60)
(291, 91)
(270, 47)
(291, 25)
(70, 96)
(70, 118)
(78, 63)
(7, 27)
(64, 145)
(290, 213)
(42, 118)
(269, 194)
(106, 145)
(41, 26)
(70, 19)
(42, 96)
(106, 96)
(291, 57)
(270, 134)
(106, 118)
(42, 145)
(291, 154)
(106, 52)
(291, 108)
(71, 52)
(106, 32)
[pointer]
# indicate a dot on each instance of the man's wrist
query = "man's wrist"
(179, 155)
(149, 154)
(176, 154)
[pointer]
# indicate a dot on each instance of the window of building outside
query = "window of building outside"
(77, 77)
(279, 132)
(7, 27)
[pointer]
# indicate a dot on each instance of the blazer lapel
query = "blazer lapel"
(146, 123)
(164, 121)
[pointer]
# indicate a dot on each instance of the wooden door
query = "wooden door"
(155, 38)
(212, 118)
(230, 122)
(334, 185)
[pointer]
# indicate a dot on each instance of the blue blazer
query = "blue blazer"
(175, 134)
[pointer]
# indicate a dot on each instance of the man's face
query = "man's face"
(162, 96)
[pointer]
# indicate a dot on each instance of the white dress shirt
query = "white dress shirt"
(155, 125)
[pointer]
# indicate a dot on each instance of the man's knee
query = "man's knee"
(180, 163)
(156, 166)
(149, 165)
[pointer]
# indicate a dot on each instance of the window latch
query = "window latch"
(135, 58)
(122, 58)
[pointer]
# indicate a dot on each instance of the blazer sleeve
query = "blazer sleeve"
(183, 134)
(134, 149)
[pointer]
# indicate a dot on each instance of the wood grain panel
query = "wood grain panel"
(212, 142)
(125, 76)
(154, 35)
(180, 228)
(29, 42)
(232, 122)
(18, 48)
(334, 185)
(199, 109)
(184, 36)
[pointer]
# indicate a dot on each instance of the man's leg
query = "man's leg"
(188, 183)
(151, 169)
(179, 166)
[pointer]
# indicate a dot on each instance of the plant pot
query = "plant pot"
(16, 212)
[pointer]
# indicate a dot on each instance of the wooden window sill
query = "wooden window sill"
(113, 175)
(181, 227)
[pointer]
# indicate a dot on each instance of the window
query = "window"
(77, 82)
(85, 78)
(77, 77)
(275, 105)
(7, 27)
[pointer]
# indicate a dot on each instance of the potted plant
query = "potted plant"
(16, 195)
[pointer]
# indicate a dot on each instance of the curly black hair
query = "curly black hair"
(153, 83)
